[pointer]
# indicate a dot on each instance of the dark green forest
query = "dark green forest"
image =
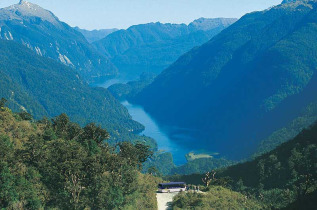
(44, 87)
(131, 89)
(252, 79)
(283, 178)
(56, 164)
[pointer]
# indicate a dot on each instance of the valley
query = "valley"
(169, 139)
(221, 109)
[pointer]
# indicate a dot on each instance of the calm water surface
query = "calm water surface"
(165, 141)
(173, 140)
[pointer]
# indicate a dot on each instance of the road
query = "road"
(164, 200)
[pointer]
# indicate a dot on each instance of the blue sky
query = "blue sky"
(97, 14)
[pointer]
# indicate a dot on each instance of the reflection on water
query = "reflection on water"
(170, 139)
(153, 130)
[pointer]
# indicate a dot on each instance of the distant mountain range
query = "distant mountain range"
(95, 35)
(154, 46)
(252, 79)
(41, 31)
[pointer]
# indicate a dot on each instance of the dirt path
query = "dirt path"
(164, 200)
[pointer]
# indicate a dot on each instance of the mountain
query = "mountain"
(154, 46)
(289, 166)
(41, 31)
(252, 79)
(44, 87)
(95, 35)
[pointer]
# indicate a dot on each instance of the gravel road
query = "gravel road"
(164, 200)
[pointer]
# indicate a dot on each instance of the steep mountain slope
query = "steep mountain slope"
(41, 31)
(291, 162)
(43, 87)
(285, 175)
(234, 89)
(95, 35)
(152, 47)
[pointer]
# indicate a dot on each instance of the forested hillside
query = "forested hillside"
(154, 46)
(284, 177)
(253, 79)
(44, 87)
(56, 164)
(131, 89)
(41, 31)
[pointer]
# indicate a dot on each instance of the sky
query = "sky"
(105, 14)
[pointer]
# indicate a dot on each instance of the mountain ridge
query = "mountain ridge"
(44, 87)
(95, 35)
(154, 46)
(237, 78)
(41, 31)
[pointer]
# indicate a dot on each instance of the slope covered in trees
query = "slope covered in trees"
(154, 46)
(249, 81)
(44, 87)
(132, 88)
(41, 31)
(56, 164)
(284, 177)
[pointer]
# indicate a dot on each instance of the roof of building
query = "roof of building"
(172, 183)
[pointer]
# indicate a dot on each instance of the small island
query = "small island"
(193, 156)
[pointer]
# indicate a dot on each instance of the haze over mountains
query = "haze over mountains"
(237, 88)
(41, 31)
(154, 46)
(95, 35)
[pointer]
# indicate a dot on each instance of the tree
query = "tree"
(95, 133)
(209, 177)
(3, 102)
(25, 116)
(135, 154)
(60, 125)
(154, 171)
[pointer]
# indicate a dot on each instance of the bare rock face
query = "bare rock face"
(28, 10)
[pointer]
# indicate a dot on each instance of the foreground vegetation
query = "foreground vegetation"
(215, 198)
(56, 164)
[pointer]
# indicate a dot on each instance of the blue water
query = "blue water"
(173, 140)
(108, 82)
(173, 144)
